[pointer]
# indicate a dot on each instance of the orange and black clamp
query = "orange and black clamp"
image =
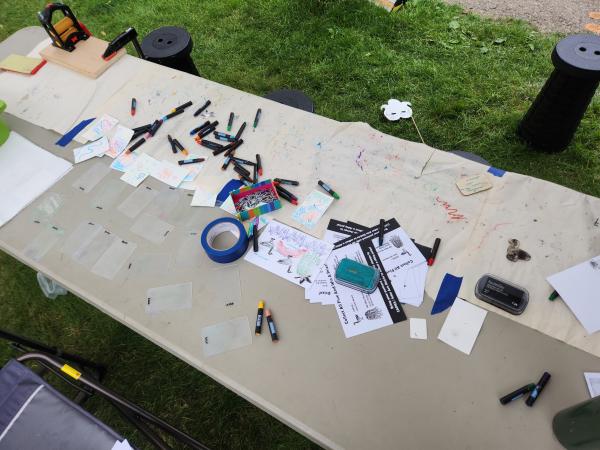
(127, 36)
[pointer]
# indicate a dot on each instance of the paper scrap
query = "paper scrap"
(578, 286)
(312, 209)
(473, 184)
(203, 198)
(418, 328)
(229, 206)
(124, 161)
(169, 173)
(139, 170)
(21, 64)
(118, 139)
(91, 150)
(593, 383)
(462, 325)
(99, 127)
(290, 253)
(169, 298)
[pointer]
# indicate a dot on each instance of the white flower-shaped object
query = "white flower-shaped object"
(396, 110)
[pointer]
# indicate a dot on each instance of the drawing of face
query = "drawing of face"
(396, 110)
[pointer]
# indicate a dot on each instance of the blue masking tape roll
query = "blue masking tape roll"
(217, 227)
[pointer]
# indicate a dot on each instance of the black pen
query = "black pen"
(240, 131)
(230, 123)
(173, 148)
(434, 250)
(200, 128)
(517, 394)
(190, 161)
(259, 165)
(256, 119)
(284, 181)
(182, 107)
(202, 108)
(537, 390)
(245, 161)
(136, 145)
(381, 231)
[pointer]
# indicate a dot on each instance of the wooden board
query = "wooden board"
(85, 59)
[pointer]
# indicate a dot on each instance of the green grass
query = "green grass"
(469, 79)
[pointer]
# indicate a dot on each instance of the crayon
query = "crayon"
(259, 317)
(271, 325)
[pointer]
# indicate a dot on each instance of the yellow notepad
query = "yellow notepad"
(21, 64)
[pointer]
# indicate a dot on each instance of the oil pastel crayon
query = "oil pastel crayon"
(271, 325)
(259, 317)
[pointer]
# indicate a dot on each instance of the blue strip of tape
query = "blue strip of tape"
(496, 172)
(231, 185)
(222, 225)
(447, 293)
(70, 135)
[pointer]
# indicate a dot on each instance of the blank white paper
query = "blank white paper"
(579, 287)
(462, 326)
(226, 336)
(169, 298)
(593, 383)
(26, 172)
(418, 328)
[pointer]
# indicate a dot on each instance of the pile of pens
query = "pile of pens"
(247, 170)
(270, 323)
(283, 192)
(534, 391)
(151, 129)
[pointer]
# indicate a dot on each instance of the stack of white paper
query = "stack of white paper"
(402, 267)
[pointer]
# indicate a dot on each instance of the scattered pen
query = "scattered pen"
(182, 107)
(381, 231)
(517, 394)
(190, 161)
(328, 189)
(230, 122)
(173, 148)
(226, 163)
(537, 390)
(200, 128)
(136, 145)
(553, 296)
(224, 136)
(240, 131)
(180, 147)
(284, 181)
(133, 106)
(202, 108)
(244, 161)
(256, 119)
(259, 165)
(271, 325)
(259, 318)
(255, 238)
(434, 250)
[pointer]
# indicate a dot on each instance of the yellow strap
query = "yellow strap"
(71, 371)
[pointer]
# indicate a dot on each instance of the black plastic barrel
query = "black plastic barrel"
(171, 47)
(554, 116)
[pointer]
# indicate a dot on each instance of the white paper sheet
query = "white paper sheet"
(118, 138)
(462, 325)
(26, 172)
(99, 127)
(139, 170)
(418, 328)
(289, 253)
(226, 336)
(579, 287)
(592, 380)
(203, 198)
(91, 150)
(169, 173)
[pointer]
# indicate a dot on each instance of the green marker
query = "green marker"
(256, 119)
(553, 296)
(230, 123)
(329, 190)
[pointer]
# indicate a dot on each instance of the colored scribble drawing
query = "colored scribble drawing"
(306, 266)
(290, 255)
(453, 213)
(117, 142)
(312, 209)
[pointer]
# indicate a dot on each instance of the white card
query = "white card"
(139, 170)
(170, 173)
(99, 127)
(462, 325)
(418, 328)
(118, 139)
(593, 382)
(203, 198)
(91, 150)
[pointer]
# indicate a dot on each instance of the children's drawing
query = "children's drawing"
(290, 253)
(312, 209)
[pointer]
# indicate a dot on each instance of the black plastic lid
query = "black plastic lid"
(579, 56)
(166, 42)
